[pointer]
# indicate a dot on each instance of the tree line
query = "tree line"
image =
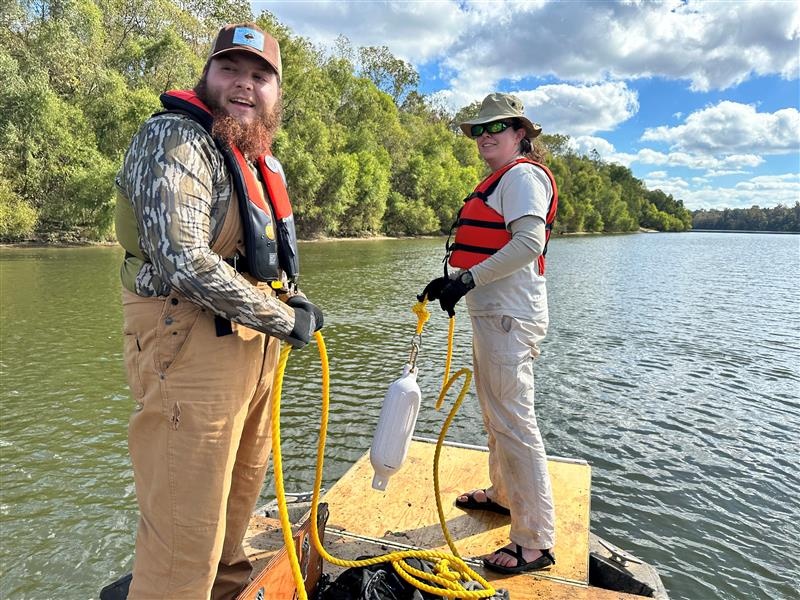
(780, 218)
(365, 153)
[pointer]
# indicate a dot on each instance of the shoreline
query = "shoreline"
(321, 239)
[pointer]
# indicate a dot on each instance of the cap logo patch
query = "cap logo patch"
(244, 36)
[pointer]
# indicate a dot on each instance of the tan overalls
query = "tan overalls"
(199, 439)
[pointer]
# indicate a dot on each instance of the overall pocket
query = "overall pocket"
(131, 352)
(174, 328)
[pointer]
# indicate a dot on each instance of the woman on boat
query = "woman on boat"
(499, 250)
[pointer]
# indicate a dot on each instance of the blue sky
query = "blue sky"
(698, 98)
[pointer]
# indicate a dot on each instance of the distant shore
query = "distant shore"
(42, 243)
(741, 231)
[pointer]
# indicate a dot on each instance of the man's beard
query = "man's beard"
(252, 139)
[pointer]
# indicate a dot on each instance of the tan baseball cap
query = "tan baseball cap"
(248, 37)
(499, 106)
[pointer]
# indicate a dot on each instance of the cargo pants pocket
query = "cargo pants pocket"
(131, 352)
(174, 328)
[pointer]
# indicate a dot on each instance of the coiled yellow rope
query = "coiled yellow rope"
(449, 570)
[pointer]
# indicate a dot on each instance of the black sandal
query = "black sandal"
(545, 561)
(490, 505)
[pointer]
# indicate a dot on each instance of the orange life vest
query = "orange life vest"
(481, 230)
(269, 247)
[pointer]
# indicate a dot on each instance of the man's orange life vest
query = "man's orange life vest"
(269, 247)
(481, 230)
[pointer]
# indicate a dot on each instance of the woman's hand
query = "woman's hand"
(434, 288)
(448, 291)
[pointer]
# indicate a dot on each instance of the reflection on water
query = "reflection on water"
(671, 366)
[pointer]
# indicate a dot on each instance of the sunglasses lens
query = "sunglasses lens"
(494, 127)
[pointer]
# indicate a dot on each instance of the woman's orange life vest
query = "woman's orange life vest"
(481, 230)
(269, 247)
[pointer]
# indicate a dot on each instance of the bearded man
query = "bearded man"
(209, 291)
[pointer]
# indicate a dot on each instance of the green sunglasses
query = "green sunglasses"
(493, 127)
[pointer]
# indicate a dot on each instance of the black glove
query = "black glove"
(307, 319)
(434, 289)
(454, 291)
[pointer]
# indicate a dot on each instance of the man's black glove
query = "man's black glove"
(307, 319)
(434, 289)
(454, 291)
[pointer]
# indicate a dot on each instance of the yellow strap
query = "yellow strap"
(450, 570)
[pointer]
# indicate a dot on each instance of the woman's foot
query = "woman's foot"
(478, 500)
(514, 558)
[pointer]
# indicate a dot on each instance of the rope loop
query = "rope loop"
(449, 569)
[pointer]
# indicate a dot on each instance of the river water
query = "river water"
(672, 366)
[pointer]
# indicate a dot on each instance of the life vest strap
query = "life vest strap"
(469, 248)
(478, 223)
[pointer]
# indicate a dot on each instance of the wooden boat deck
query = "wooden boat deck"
(364, 521)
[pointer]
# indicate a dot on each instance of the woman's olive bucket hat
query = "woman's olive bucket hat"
(499, 106)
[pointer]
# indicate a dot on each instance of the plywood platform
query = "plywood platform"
(364, 521)
(406, 512)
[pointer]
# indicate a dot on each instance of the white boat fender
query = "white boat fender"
(395, 427)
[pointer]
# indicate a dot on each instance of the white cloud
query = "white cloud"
(580, 109)
(413, 31)
(705, 161)
(584, 145)
(713, 45)
(730, 127)
(714, 166)
(765, 191)
(719, 173)
(651, 157)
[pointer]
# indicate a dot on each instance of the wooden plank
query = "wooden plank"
(406, 512)
(272, 574)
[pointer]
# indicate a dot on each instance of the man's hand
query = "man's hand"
(434, 289)
(307, 319)
(454, 291)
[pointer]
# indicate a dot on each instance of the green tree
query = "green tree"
(613, 211)
(409, 217)
(389, 74)
(17, 217)
(778, 218)
(364, 216)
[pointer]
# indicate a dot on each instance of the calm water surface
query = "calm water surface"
(672, 366)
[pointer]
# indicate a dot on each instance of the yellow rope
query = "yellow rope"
(422, 314)
(445, 383)
(450, 569)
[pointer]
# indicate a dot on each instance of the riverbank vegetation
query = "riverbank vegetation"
(364, 151)
(780, 218)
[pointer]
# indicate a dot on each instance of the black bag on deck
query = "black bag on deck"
(376, 582)
(117, 590)
(381, 582)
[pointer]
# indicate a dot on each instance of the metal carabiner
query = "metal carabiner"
(416, 344)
